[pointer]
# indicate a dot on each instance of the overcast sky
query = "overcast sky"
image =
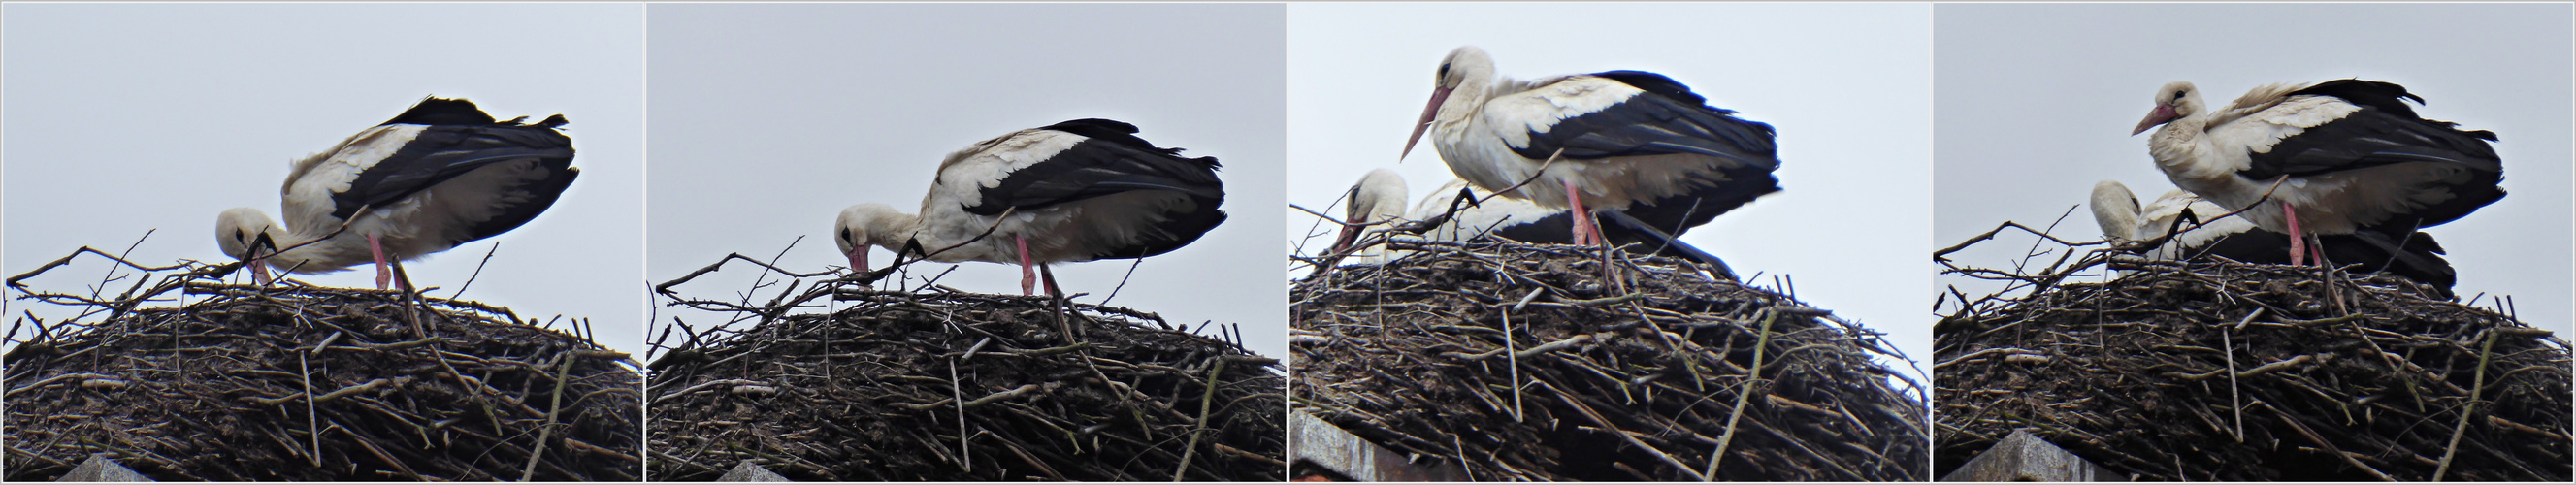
(2036, 103)
(1843, 83)
(769, 119)
(126, 118)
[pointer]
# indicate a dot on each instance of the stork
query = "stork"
(2342, 157)
(1075, 191)
(1594, 142)
(1376, 203)
(2122, 219)
(441, 174)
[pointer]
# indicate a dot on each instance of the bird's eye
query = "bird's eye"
(2178, 95)
(237, 235)
(1444, 73)
(845, 234)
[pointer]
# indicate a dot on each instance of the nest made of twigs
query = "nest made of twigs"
(1638, 376)
(216, 388)
(2224, 371)
(941, 385)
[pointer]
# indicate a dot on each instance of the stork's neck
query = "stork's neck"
(2181, 149)
(893, 229)
(1467, 100)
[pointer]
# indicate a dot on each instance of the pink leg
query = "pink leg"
(1028, 268)
(2298, 239)
(1583, 229)
(384, 275)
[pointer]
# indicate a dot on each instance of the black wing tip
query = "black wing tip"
(435, 111)
(1122, 133)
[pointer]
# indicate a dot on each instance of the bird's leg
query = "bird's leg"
(384, 275)
(2298, 239)
(1028, 272)
(1583, 228)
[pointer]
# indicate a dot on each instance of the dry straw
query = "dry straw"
(240, 383)
(832, 380)
(2217, 370)
(1545, 362)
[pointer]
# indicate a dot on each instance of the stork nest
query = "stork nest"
(303, 383)
(1524, 362)
(940, 385)
(2215, 370)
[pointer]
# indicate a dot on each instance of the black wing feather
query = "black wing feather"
(1108, 162)
(1113, 160)
(2384, 132)
(1666, 119)
(445, 151)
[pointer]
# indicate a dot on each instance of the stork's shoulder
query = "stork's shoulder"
(1566, 97)
(988, 161)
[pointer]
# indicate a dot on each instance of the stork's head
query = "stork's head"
(1467, 68)
(2115, 209)
(2174, 101)
(1378, 198)
(867, 225)
(250, 235)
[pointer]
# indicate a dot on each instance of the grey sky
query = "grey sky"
(769, 119)
(123, 118)
(2035, 103)
(1843, 83)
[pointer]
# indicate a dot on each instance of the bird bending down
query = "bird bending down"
(2122, 220)
(2342, 157)
(1075, 191)
(441, 174)
(1617, 138)
(1375, 204)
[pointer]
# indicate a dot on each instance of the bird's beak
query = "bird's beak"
(2162, 114)
(259, 272)
(1438, 95)
(859, 259)
(1350, 235)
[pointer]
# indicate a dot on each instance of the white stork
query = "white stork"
(1621, 138)
(1506, 218)
(2234, 238)
(441, 174)
(2348, 157)
(1080, 190)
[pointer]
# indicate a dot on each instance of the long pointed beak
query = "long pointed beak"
(2163, 113)
(1350, 235)
(259, 272)
(1438, 95)
(859, 259)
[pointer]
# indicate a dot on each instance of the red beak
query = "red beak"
(859, 259)
(1350, 235)
(259, 272)
(2163, 113)
(1438, 95)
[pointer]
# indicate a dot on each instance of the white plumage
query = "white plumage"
(2348, 156)
(1619, 137)
(441, 174)
(1080, 190)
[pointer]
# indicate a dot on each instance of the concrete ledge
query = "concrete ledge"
(2023, 457)
(100, 468)
(1311, 440)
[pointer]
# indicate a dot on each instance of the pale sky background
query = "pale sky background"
(2036, 103)
(1844, 84)
(769, 119)
(123, 118)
